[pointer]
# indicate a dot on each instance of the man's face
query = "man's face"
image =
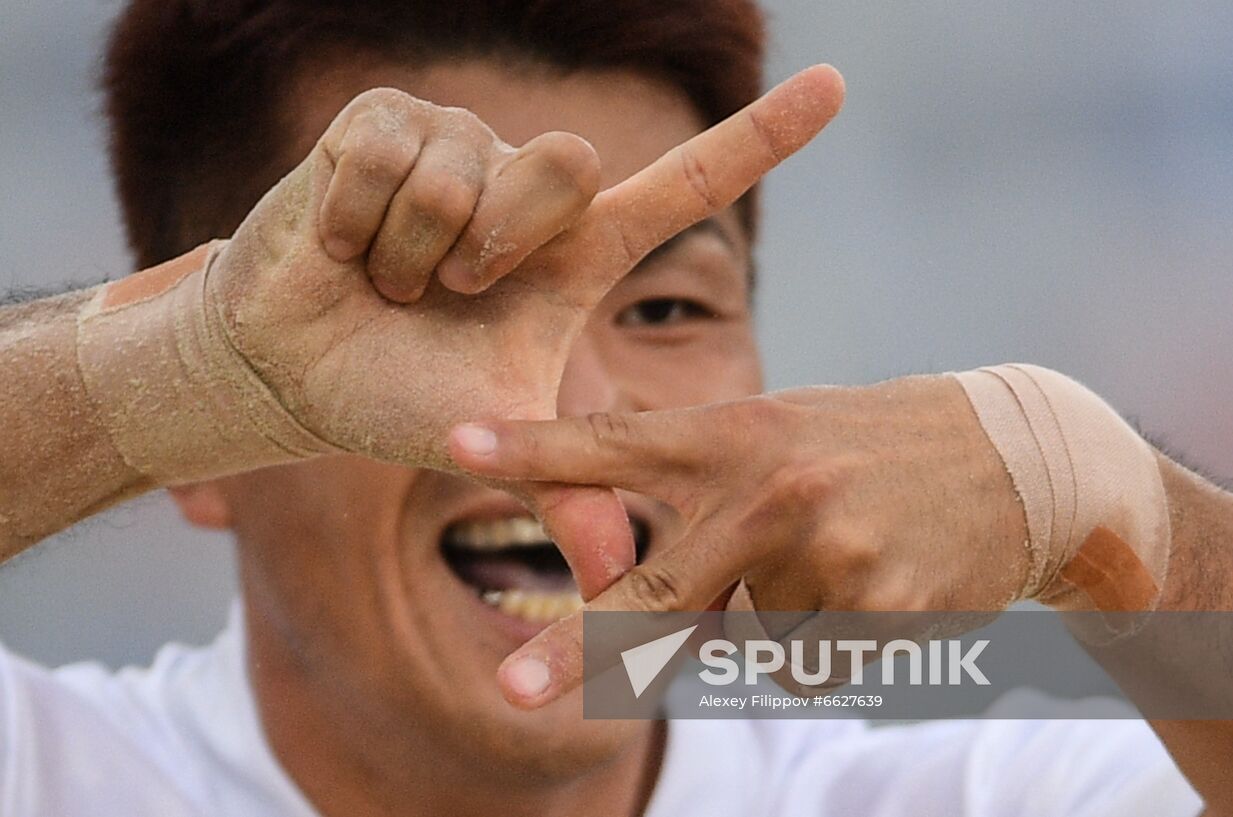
(393, 594)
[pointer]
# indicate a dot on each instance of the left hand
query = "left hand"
(887, 497)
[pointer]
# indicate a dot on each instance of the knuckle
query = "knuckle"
(755, 423)
(382, 161)
(385, 111)
(855, 552)
(608, 429)
(375, 98)
(569, 157)
(741, 432)
(446, 197)
(770, 413)
(654, 588)
(841, 548)
(789, 509)
(799, 484)
(765, 136)
(455, 123)
(526, 451)
(888, 596)
(698, 176)
(463, 117)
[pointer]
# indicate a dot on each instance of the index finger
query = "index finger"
(712, 170)
(648, 452)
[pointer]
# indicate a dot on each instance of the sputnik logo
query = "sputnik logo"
(644, 662)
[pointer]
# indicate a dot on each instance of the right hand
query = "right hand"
(326, 289)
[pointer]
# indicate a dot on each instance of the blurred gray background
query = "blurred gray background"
(1041, 182)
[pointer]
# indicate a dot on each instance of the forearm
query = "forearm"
(58, 464)
(123, 388)
(1200, 579)
(1201, 561)
(1179, 659)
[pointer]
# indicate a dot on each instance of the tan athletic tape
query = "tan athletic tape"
(1097, 514)
(1109, 571)
(179, 403)
(155, 281)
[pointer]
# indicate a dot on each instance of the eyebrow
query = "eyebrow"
(709, 225)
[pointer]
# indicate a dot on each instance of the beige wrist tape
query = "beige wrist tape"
(179, 402)
(1096, 508)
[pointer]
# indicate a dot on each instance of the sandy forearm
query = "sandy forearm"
(1201, 564)
(58, 464)
(126, 387)
(1201, 578)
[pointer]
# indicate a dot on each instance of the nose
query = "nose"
(587, 386)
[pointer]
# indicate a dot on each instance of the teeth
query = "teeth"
(497, 534)
(532, 605)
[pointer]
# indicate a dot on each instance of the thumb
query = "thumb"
(641, 452)
(689, 576)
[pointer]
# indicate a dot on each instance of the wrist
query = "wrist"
(1097, 515)
(179, 403)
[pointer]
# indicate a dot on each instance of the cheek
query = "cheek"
(311, 534)
(721, 364)
(313, 504)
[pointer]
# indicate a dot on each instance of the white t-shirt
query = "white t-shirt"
(183, 738)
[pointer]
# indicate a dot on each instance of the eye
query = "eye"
(663, 312)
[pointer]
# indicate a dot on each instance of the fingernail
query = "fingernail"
(339, 249)
(395, 291)
(527, 677)
(457, 274)
(476, 440)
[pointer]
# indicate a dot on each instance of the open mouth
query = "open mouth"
(514, 567)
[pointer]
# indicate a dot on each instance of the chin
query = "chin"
(401, 592)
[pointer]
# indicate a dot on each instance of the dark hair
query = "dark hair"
(192, 86)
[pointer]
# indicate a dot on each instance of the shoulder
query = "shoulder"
(76, 741)
(180, 737)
